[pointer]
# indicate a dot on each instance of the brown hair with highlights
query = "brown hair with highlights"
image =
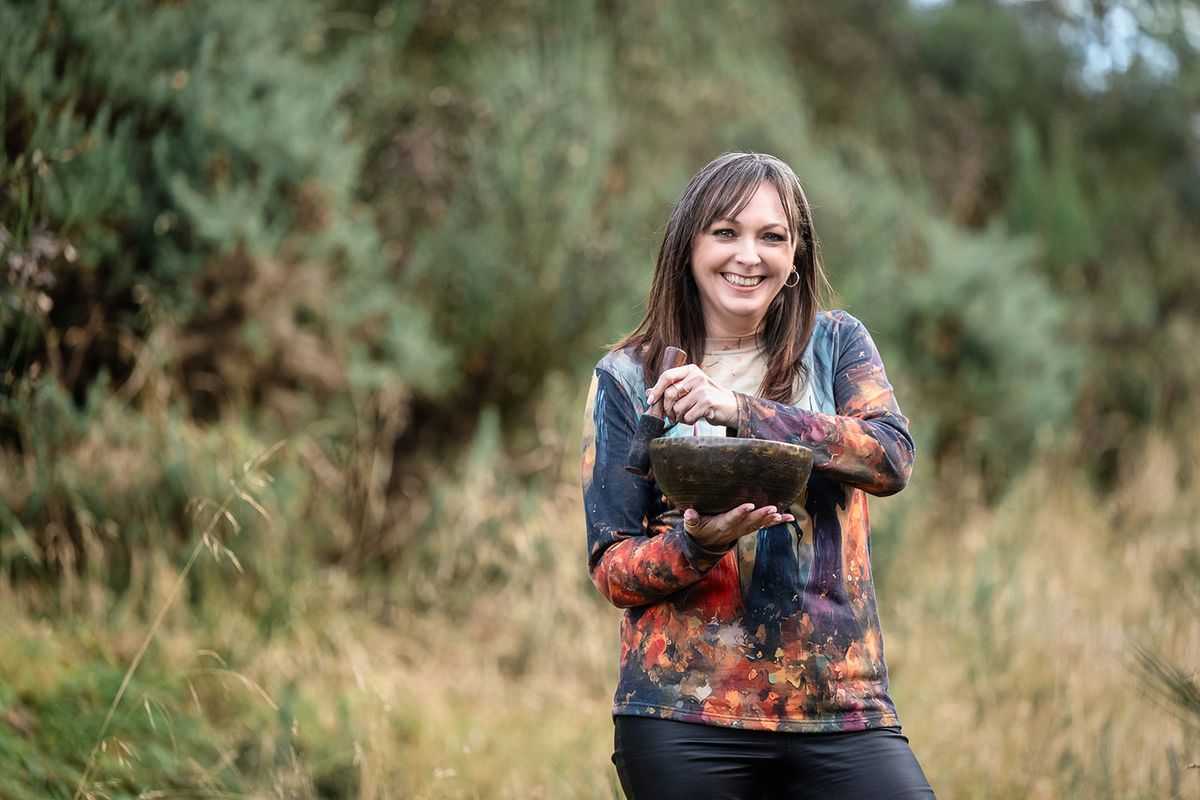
(673, 314)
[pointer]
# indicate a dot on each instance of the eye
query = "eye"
(724, 233)
(775, 237)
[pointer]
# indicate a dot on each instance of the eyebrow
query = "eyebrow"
(738, 222)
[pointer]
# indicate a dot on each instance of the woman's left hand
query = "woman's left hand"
(690, 396)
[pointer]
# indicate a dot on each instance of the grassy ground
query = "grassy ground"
(1013, 633)
(484, 666)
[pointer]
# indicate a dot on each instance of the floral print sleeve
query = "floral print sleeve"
(638, 550)
(866, 444)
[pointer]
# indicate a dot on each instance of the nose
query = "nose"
(747, 253)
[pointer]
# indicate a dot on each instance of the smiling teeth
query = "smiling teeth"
(738, 280)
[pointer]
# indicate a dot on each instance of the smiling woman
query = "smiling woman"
(740, 263)
(752, 657)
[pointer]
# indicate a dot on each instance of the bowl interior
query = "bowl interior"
(713, 474)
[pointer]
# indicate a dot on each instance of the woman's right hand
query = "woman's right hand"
(723, 530)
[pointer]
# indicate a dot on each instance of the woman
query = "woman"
(751, 655)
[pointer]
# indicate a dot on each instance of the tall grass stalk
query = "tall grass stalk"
(238, 490)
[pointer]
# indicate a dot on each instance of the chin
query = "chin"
(747, 311)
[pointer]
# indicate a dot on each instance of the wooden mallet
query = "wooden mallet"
(650, 425)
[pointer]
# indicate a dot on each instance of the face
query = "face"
(740, 264)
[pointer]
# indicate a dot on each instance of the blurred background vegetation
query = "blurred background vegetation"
(298, 304)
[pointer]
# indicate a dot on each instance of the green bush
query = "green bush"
(182, 241)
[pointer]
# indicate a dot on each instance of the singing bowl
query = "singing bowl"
(713, 474)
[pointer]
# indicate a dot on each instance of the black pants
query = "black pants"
(661, 759)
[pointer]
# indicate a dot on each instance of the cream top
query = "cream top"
(738, 364)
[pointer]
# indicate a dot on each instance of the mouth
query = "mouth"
(742, 281)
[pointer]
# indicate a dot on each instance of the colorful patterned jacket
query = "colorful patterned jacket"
(781, 631)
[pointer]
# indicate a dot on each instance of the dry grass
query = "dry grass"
(484, 666)
(1010, 631)
(1012, 635)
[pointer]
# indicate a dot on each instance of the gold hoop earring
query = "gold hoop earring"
(793, 285)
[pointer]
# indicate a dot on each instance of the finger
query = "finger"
(690, 408)
(779, 517)
(763, 513)
(669, 411)
(706, 407)
(764, 517)
(667, 398)
(688, 372)
(655, 391)
(673, 396)
(667, 378)
(733, 516)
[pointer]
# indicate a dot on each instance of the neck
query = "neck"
(723, 344)
(714, 329)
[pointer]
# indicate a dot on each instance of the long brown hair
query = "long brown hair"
(673, 314)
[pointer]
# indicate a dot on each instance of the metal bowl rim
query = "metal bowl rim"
(719, 441)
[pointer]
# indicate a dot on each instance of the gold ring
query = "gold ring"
(690, 525)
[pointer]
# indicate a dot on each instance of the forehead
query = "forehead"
(765, 199)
